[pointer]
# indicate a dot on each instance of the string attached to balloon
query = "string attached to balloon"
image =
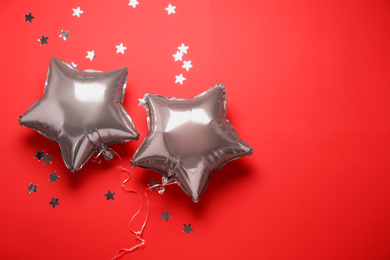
(138, 233)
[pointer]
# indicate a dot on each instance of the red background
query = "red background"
(308, 86)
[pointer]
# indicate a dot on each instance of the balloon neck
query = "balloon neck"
(107, 153)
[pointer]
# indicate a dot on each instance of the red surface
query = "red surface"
(308, 85)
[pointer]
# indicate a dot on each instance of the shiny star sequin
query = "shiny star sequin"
(120, 48)
(28, 17)
(43, 40)
(64, 34)
(53, 177)
(165, 215)
(187, 65)
(47, 159)
(54, 202)
(110, 195)
(32, 188)
(38, 155)
(178, 56)
(187, 229)
(77, 12)
(91, 55)
(170, 9)
(152, 183)
(183, 48)
(133, 3)
(179, 79)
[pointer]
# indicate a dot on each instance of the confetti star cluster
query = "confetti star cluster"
(178, 56)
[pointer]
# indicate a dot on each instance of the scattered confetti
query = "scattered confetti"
(109, 195)
(38, 155)
(133, 3)
(74, 65)
(32, 188)
(54, 202)
(187, 228)
(187, 65)
(179, 79)
(152, 183)
(165, 215)
(64, 34)
(141, 102)
(183, 48)
(170, 9)
(120, 48)
(91, 55)
(77, 12)
(28, 17)
(53, 177)
(178, 55)
(43, 40)
(47, 159)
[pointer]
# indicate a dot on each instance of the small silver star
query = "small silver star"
(74, 65)
(38, 155)
(91, 55)
(120, 48)
(32, 188)
(170, 9)
(152, 183)
(187, 65)
(64, 34)
(187, 228)
(77, 12)
(110, 195)
(54, 202)
(178, 55)
(53, 177)
(43, 40)
(183, 48)
(47, 158)
(133, 3)
(179, 79)
(165, 215)
(141, 102)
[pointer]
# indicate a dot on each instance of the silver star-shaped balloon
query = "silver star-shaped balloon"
(152, 183)
(47, 159)
(110, 195)
(54, 202)
(82, 111)
(38, 155)
(32, 188)
(187, 229)
(165, 215)
(53, 177)
(189, 139)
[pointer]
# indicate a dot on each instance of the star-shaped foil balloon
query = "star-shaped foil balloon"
(82, 111)
(189, 139)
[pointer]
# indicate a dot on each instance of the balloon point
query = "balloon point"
(195, 199)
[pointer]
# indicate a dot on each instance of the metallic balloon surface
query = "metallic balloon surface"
(188, 139)
(82, 111)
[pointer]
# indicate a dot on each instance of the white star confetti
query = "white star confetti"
(133, 3)
(120, 48)
(179, 79)
(170, 9)
(141, 102)
(183, 48)
(91, 55)
(74, 65)
(77, 12)
(187, 65)
(178, 56)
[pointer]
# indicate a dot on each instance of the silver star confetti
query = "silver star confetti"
(152, 183)
(43, 40)
(170, 9)
(47, 159)
(187, 228)
(165, 215)
(28, 17)
(38, 155)
(77, 12)
(91, 55)
(64, 34)
(74, 65)
(32, 188)
(53, 177)
(54, 202)
(110, 195)
(187, 65)
(183, 48)
(179, 79)
(141, 102)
